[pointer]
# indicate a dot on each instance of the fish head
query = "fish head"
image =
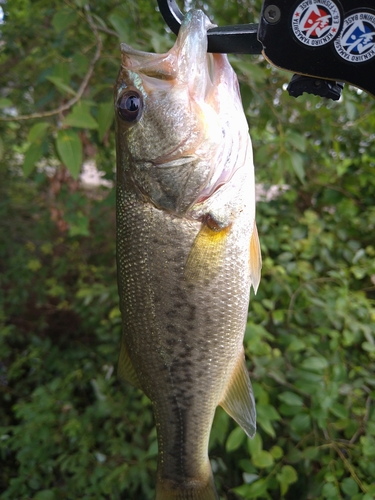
(181, 131)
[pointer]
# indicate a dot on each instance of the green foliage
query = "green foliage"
(68, 428)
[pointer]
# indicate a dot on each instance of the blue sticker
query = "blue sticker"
(356, 42)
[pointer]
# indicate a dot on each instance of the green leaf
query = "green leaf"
(263, 459)
(267, 411)
(255, 444)
(61, 71)
(69, 147)
(329, 491)
(81, 117)
(254, 490)
(265, 414)
(120, 24)
(32, 155)
(297, 164)
(37, 131)
(368, 446)
(1, 148)
(339, 411)
(78, 224)
(45, 495)
(314, 364)
(266, 425)
(291, 399)
(276, 452)
(311, 452)
(286, 477)
(297, 140)
(219, 428)
(60, 85)
(368, 346)
(79, 66)
(300, 422)
(349, 487)
(235, 439)
(105, 117)
(63, 19)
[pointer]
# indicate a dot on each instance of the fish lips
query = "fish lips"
(187, 63)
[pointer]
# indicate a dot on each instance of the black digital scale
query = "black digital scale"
(323, 42)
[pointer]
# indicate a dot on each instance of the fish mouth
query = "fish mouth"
(186, 63)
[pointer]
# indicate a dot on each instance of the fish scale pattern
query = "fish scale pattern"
(183, 337)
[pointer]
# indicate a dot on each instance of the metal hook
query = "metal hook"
(237, 39)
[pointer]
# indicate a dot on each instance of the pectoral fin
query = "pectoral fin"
(238, 400)
(125, 370)
(255, 259)
(206, 254)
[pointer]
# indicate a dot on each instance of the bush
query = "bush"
(68, 428)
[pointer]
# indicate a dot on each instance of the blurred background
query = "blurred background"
(68, 428)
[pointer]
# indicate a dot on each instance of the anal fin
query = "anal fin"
(238, 400)
(125, 370)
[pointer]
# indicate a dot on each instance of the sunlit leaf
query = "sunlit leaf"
(263, 459)
(69, 147)
(32, 155)
(37, 131)
(286, 477)
(255, 444)
(81, 117)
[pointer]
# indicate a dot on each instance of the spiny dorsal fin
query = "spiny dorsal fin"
(125, 370)
(238, 400)
(255, 259)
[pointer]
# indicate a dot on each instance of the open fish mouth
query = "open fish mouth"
(186, 63)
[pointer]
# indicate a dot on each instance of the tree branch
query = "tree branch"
(82, 87)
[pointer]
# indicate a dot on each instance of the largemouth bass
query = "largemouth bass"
(187, 248)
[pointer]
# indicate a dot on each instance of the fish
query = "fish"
(187, 248)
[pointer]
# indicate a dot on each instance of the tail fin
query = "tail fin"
(170, 490)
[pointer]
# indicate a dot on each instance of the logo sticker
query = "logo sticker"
(316, 22)
(356, 43)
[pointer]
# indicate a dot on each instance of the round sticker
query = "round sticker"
(316, 22)
(356, 42)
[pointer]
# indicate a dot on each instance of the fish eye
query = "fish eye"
(129, 105)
